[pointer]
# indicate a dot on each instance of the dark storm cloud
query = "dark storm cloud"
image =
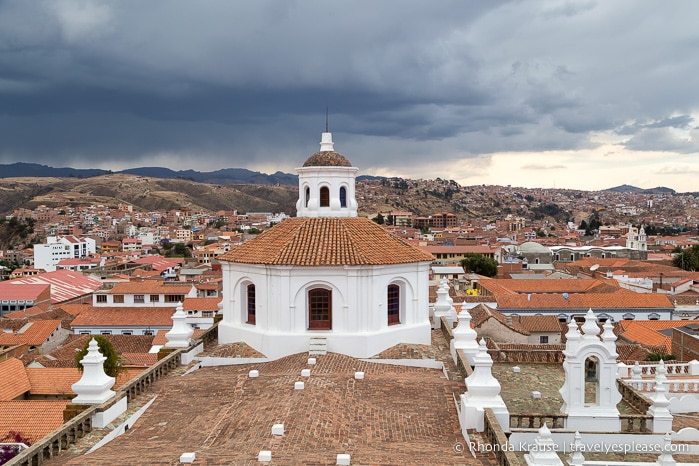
(244, 83)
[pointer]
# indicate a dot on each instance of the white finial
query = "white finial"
(590, 327)
(576, 457)
(180, 333)
(94, 385)
(326, 142)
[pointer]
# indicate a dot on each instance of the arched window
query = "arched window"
(308, 195)
(393, 304)
(324, 196)
(319, 309)
(343, 197)
(251, 304)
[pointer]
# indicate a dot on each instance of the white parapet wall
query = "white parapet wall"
(103, 418)
(191, 354)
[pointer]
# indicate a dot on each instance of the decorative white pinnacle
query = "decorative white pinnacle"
(180, 333)
(326, 142)
(590, 327)
(576, 457)
(545, 451)
(94, 386)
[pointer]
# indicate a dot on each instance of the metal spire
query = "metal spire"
(326, 119)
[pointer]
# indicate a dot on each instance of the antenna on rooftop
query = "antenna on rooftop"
(326, 119)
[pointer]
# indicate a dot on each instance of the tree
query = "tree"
(8, 452)
(112, 365)
(181, 250)
(480, 264)
(686, 259)
(378, 219)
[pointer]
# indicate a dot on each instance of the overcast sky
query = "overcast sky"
(579, 94)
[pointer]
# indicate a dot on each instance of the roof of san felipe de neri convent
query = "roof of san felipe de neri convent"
(326, 242)
(327, 158)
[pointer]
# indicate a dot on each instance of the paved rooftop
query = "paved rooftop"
(395, 415)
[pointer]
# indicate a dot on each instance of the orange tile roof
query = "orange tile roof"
(647, 336)
(326, 241)
(74, 309)
(33, 418)
(52, 381)
(35, 334)
(125, 317)
(201, 304)
(654, 324)
(548, 323)
(150, 287)
(545, 285)
(482, 313)
(457, 249)
(206, 286)
(14, 379)
(139, 359)
(584, 301)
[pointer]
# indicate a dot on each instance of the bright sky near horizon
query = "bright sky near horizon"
(566, 94)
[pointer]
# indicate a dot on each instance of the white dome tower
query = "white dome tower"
(326, 183)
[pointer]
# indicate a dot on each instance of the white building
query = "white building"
(57, 248)
(343, 281)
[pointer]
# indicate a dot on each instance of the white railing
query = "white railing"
(648, 369)
(673, 386)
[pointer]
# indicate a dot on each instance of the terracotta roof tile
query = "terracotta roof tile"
(51, 381)
(547, 323)
(326, 241)
(64, 355)
(327, 158)
(653, 324)
(139, 359)
(33, 418)
(584, 301)
(201, 304)
(36, 333)
(482, 313)
(75, 309)
(14, 380)
(65, 284)
(646, 336)
(125, 316)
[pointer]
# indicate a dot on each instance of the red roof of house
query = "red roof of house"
(34, 333)
(12, 290)
(201, 304)
(14, 380)
(33, 418)
(457, 249)
(125, 317)
(52, 381)
(65, 284)
(620, 300)
(157, 262)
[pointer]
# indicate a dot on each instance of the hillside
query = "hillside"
(144, 193)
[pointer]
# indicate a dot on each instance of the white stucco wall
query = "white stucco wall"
(359, 300)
